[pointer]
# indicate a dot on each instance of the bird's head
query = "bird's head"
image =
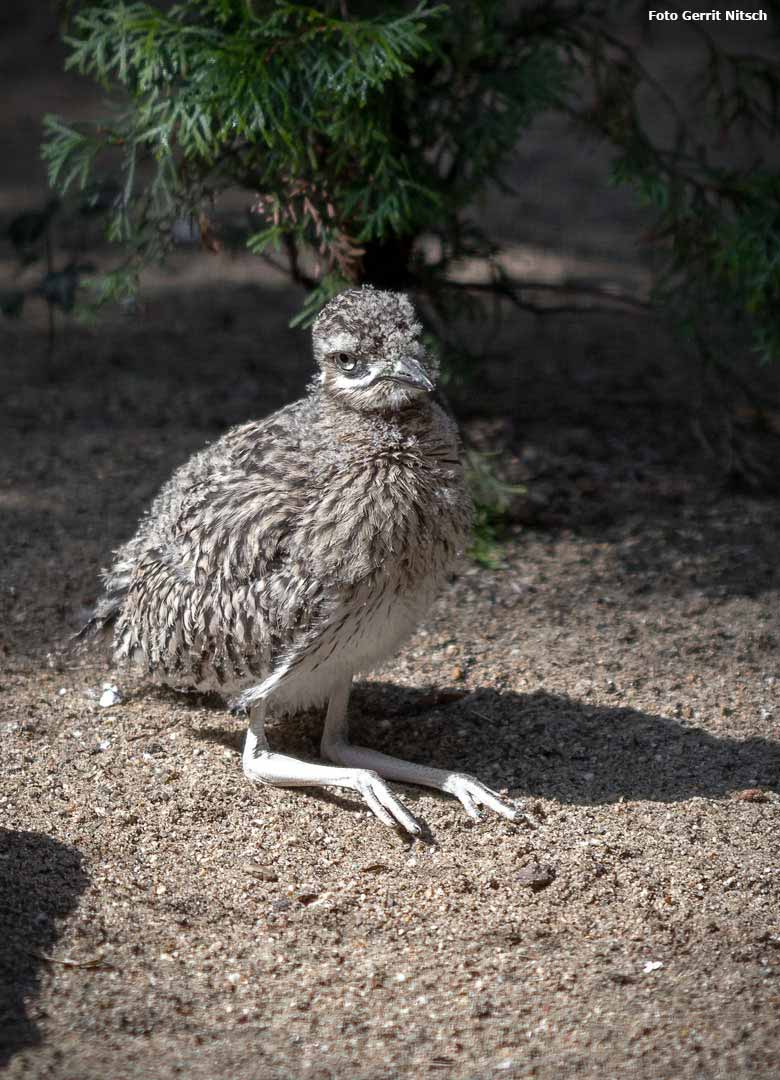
(367, 344)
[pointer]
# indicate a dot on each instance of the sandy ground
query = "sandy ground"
(618, 671)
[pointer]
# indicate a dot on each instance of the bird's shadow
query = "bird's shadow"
(40, 882)
(540, 744)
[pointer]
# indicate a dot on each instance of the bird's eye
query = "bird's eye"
(347, 363)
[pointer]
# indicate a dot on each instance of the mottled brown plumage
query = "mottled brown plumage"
(300, 549)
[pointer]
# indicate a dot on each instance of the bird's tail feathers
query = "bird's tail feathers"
(101, 621)
(108, 607)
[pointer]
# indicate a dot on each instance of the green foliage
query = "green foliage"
(360, 127)
(485, 547)
(357, 133)
(718, 227)
(492, 498)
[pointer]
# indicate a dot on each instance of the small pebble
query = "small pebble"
(110, 696)
(262, 873)
(751, 795)
(536, 877)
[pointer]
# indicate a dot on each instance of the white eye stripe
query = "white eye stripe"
(347, 382)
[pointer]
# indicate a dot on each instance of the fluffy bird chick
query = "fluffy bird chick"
(305, 547)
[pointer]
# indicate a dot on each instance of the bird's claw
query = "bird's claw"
(383, 803)
(472, 794)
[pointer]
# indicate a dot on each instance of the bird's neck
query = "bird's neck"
(335, 412)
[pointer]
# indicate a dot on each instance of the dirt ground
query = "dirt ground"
(618, 671)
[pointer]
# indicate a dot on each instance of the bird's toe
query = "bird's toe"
(383, 803)
(472, 794)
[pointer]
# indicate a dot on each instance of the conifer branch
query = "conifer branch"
(365, 127)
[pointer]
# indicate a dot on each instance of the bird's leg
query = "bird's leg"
(260, 763)
(336, 747)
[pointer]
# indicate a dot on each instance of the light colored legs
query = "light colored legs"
(336, 747)
(263, 765)
(363, 769)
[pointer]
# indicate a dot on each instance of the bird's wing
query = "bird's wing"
(242, 518)
(270, 595)
(230, 508)
(206, 568)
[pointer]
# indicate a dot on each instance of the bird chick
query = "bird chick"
(304, 548)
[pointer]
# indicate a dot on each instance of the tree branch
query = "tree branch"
(298, 275)
(512, 291)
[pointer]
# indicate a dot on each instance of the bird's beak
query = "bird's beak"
(411, 373)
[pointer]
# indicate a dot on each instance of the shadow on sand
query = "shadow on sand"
(541, 744)
(40, 882)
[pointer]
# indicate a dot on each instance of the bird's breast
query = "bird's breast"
(395, 513)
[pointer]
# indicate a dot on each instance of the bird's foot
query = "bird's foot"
(266, 767)
(472, 793)
(384, 804)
